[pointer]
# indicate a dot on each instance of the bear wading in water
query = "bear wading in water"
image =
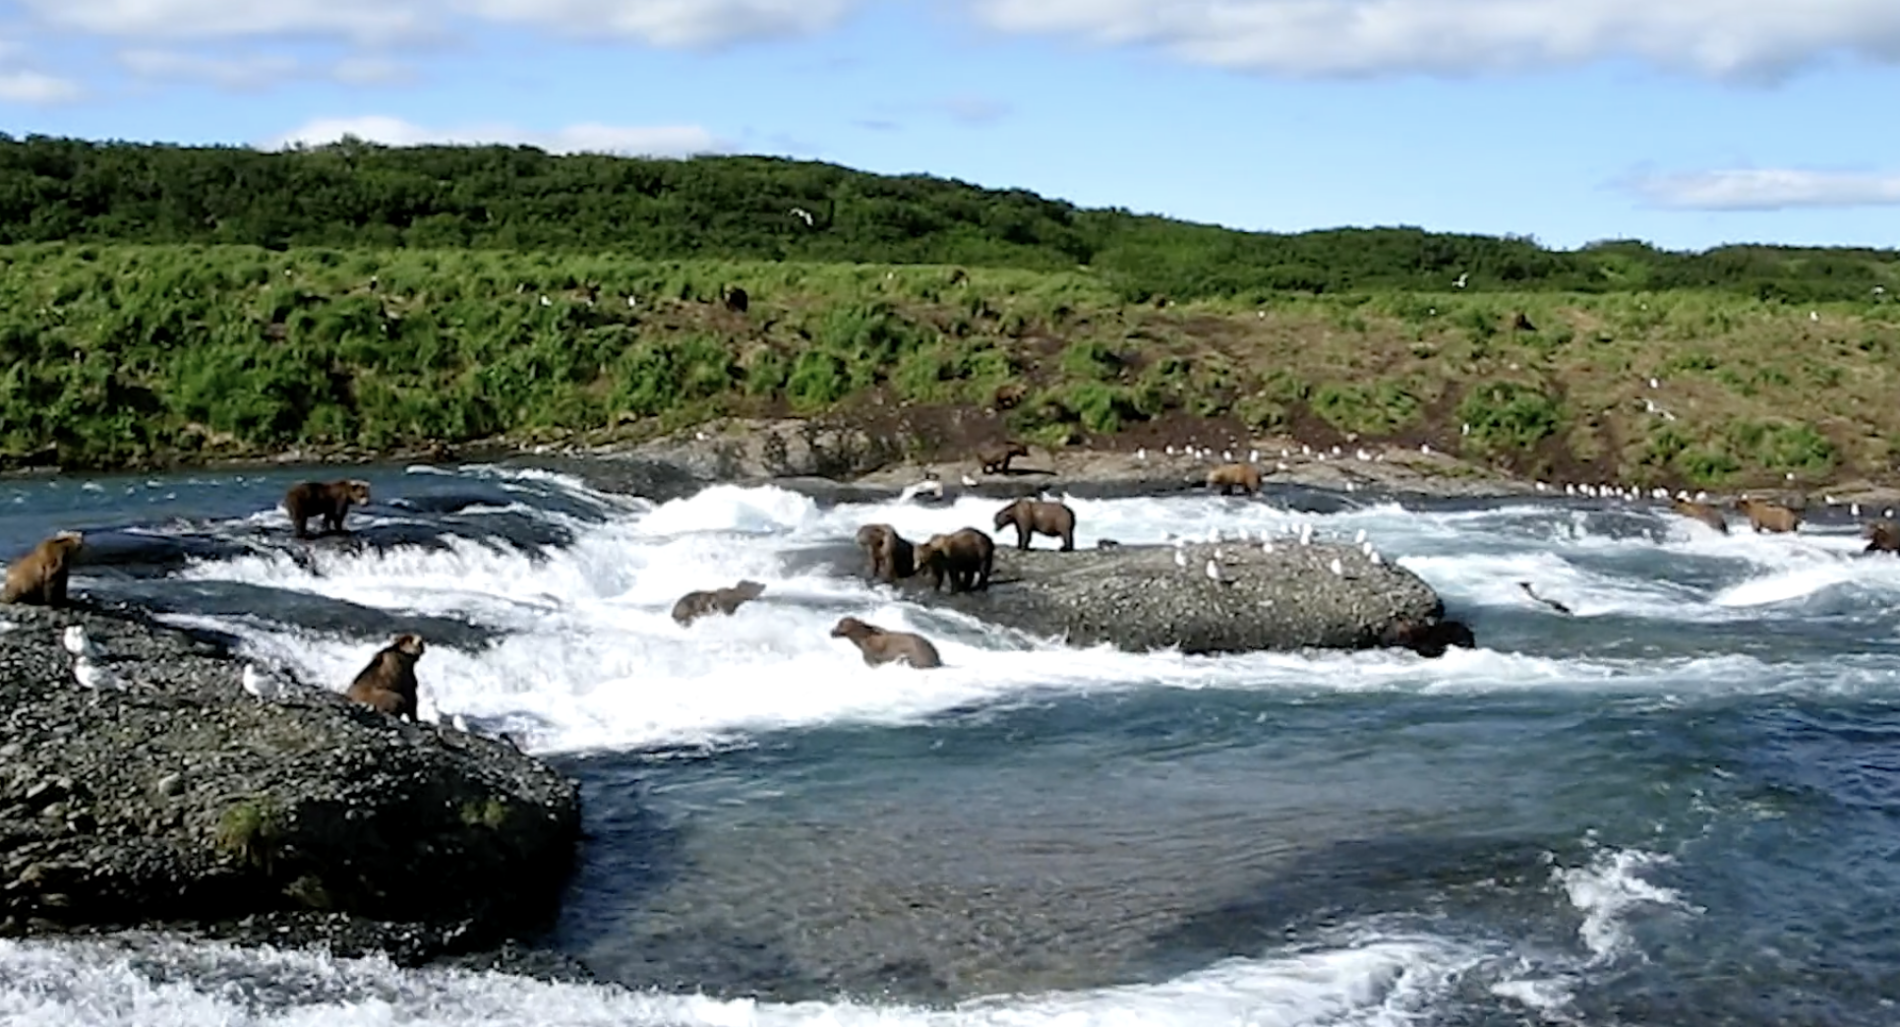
(328, 500)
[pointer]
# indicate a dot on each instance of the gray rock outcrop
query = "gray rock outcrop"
(1138, 598)
(180, 800)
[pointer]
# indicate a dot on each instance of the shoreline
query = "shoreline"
(735, 451)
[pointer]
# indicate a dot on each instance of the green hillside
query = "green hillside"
(359, 195)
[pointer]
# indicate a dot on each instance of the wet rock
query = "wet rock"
(1138, 598)
(183, 802)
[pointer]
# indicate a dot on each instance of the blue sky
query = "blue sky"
(1688, 123)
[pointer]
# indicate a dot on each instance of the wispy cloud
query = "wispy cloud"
(974, 110)
(1719, 39)
(149, 21)
(651, 141)
(255, 71)
(1766, 189)
(37, 88)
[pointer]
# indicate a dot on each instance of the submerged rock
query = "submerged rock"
(182, 801)
(1139, 598)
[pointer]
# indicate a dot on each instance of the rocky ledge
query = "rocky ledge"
(180, 802)
(1139, 598)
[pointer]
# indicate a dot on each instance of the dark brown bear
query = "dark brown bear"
(389, 682)
(995, 459)
(694, 605)
(1428, 639)
(1228, 477)
(39, 577)
(1038, 517)
(736, 300)
(328, 500)
(1765, 516)
(1883, 536)
(966, 557)
(881, 646)
(889, 555)
(1703, 512)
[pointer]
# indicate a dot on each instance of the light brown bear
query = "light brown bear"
(39, 577)
(880, 646)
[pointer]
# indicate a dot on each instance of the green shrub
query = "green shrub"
(1378, 409)
(1508, 416)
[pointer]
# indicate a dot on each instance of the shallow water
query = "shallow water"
(1678, 806)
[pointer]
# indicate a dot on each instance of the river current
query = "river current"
(1679, 805)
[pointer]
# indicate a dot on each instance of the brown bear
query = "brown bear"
(1228, 477)
(39, 577)
(694, 605)
(995, 459)
(1766, 516)
(1038, 517)
(1008, 395)
(328, 500)
(881, 646)
(966, 556)
(736, 300)
(1883, 536)
(1429, 639)
(389, 682)
(1703, 512)
(890, 556)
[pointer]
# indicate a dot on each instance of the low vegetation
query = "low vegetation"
(134, 355)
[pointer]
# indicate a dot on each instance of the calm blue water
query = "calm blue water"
(1678, 806)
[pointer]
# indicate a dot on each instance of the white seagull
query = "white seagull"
(93, 676)
(1336, 567)
(1180, 557)
(256, 684)
(1213, 570)
(75, 640)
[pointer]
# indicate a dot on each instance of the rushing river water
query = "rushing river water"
(1679, 806)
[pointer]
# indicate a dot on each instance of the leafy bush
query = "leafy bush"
(1508, 416)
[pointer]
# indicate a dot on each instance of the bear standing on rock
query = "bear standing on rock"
(890, 555)
(389, 682)
(1039, 517)
(329, 500)
(966, 557)
(39, 577)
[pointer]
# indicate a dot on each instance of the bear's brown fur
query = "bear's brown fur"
(1703, 512)
(1766, 516)
(1008, 395)
(328, 500)
(694, 605)
(1228, 477)
(736, 300)
(1429, 639)
(966, 557)
(39, 577)
(1038, 517)
(881, 646)
(995, 459)
(889, 555)
(389, 682)
(1883, 536)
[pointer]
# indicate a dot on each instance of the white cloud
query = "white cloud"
(667, 23)
(1717, 38)
(655, 141)
(19, 86)
(257, 70)
(1767, 189)
(362, 21)
(670, 23)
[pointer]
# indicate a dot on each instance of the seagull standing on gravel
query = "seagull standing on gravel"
(75, 640)
(969, 482)
(93, 676)
(456, 722)
(255, 684)
(1213, 570)
(1141, 454)
(1180, 557)
(1338, 569)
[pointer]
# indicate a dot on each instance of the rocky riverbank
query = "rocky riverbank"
(1140, 598)
(180, 802)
